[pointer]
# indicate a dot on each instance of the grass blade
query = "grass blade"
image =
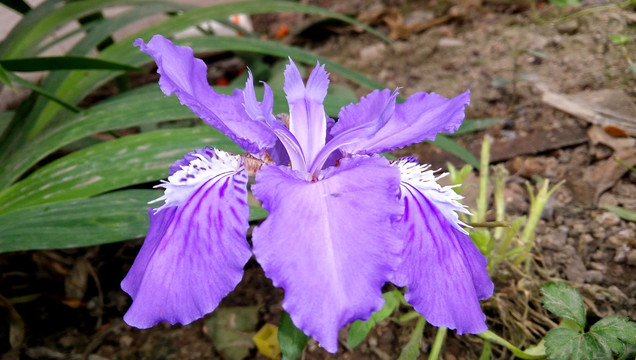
(108, 218)
(112, 165)
(43, 92)
(63, 63)
(448, 144)
(17, 5)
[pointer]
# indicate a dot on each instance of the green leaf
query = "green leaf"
(630, 353)
(291, 339)
(448, 144)
(111, 165)
(116, 216)
(565, 302)
(568, 344)
(79, 84)
(564, 3)
(4, 77)
(137, 107)
(623, 213)
(614, 332)
(272, 48)
(17, 5)
(619, 39)
(15, 137)
(5, 119)
(231, 330)
(473, 125)
(43, 92)
(257, 213)
(63, 63)
(360, 329)
(411, 351)
(42, 21)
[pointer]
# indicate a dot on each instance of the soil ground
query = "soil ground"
(509, 56)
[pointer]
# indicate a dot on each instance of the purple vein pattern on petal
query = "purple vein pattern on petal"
(421, 117)
(329, 244)
(184, 75)
(195, 250)
(307, 119)
(445, 273)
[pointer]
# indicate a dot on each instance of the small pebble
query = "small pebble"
(608, 219)
(593, 277)
(569, 27)
(125, 341)
(450, 43)
(621, 253)
(631, 257)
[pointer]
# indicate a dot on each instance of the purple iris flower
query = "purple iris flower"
(342, 221)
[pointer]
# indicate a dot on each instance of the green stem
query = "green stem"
(591, 10)
(490, 336)
(437, 344)
(486, 351)
(537, 204)
(483, 181)
(500, 203)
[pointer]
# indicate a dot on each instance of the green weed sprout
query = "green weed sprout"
(501, 240)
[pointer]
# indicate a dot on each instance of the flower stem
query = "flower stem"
(492, 337)
(437, 344)
(482, 203)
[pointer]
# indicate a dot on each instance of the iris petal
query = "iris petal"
(186, 76)
(445, 273)
(329, 244)
(363, 125)
(195, 250)
(421, 117)
(307, 119)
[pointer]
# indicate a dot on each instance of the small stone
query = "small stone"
(599, 266)
(586, 239)
(631, 257)
(621, 253)
(538, 42)
(614, 241)
(418, 16)
(402, 47)
(593, 277)
(125, 341)
(627, 235)
(373, 342)
(569, 27)
(554, 240)
(450, 43)
(608, 219)
(96, 357)
(608, 199)
(370, 54)
(515, 200)
(599, 255)
(575, 270)
(578, 228)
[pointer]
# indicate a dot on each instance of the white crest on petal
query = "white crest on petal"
(211, 164)
(424, 180)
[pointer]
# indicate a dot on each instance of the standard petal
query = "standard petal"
(329, 243)
(307, 119)
(186, 76)
(421, 117)
(445, 273)
(196, 246)
(361, 122)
